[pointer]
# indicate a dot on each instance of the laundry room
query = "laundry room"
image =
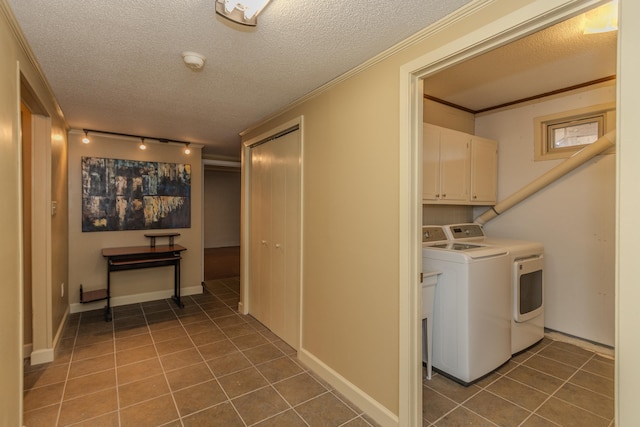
(559, 77)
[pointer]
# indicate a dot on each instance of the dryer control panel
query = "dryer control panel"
(464, 231)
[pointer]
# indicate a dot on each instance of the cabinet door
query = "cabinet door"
(454, 166)
(484, 170)
(430, 162)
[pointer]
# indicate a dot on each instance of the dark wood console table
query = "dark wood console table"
(135, 257)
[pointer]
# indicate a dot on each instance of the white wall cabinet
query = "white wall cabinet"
(458, 168)
(274, 288)
(484, 170)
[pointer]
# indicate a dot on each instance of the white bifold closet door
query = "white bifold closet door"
(274, 289)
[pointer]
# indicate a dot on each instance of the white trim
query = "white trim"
(355, 395)
(521, 22)
(227, 163)
(26, 350)
(41, 356)
(46, 355)
(135, 298)
(41, 293)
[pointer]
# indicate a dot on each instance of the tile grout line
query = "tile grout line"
(553, 394)
(209, 367)
(64, 388)
(115, 364)
(164, 374)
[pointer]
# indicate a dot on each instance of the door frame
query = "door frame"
(245, 209)
(524, 21)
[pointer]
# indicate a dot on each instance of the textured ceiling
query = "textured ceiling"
(553, 59)
(116, 65)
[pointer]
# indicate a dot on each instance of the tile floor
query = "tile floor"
(158, 365)
(206, 365)
(552, 384)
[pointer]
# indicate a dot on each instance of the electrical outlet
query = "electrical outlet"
(61, 289)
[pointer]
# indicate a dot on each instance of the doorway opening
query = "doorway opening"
(412, 113)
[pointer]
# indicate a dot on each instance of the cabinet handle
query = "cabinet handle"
(475, 197)
(277, 245)
(264, 242)
(437, 196)
(444, 195)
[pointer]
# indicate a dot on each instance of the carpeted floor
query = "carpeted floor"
(221, 263)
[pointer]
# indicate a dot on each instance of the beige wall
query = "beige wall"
(86, 264)
(574, 217)
(350, 212)
(10, 259)
(12, 56)
(447, 117)
(221, 220)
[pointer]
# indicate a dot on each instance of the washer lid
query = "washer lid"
(461, 249)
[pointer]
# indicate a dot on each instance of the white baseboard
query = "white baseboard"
(26, 350)
(600, 349)
(44, 355)
(133, 299)
(363, 401)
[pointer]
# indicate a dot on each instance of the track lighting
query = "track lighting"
(142, 145)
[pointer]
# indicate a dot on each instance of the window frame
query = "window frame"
(604, 114)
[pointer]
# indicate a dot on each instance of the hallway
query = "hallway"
(157, 365)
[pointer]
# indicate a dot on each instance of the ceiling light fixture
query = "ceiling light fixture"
(187, 150)
(243, 12)
(86, 139)
(601, 19)
(142, 145)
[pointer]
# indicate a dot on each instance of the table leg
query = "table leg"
(176, 284)
(107, 309)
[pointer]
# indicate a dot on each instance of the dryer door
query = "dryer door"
(528, 292)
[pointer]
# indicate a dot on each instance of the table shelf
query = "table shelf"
(91, 296)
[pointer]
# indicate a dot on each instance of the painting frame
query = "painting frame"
(122, 194)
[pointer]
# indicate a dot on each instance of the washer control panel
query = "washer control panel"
(433, 233)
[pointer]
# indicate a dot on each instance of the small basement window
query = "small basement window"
(560, 135)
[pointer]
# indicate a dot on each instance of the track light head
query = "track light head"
(86, 139)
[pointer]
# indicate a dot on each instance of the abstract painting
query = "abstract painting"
(134, 195)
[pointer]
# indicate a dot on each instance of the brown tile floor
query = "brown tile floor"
(157, 365)
(205, 365)
(552, 384)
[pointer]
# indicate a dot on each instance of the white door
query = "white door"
(274, 289)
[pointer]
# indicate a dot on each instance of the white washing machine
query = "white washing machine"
(471, 311)
(526, 268)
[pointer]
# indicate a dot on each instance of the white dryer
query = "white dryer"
(471, 313)
(526, 268)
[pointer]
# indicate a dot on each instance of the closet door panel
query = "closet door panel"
(260, 291)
